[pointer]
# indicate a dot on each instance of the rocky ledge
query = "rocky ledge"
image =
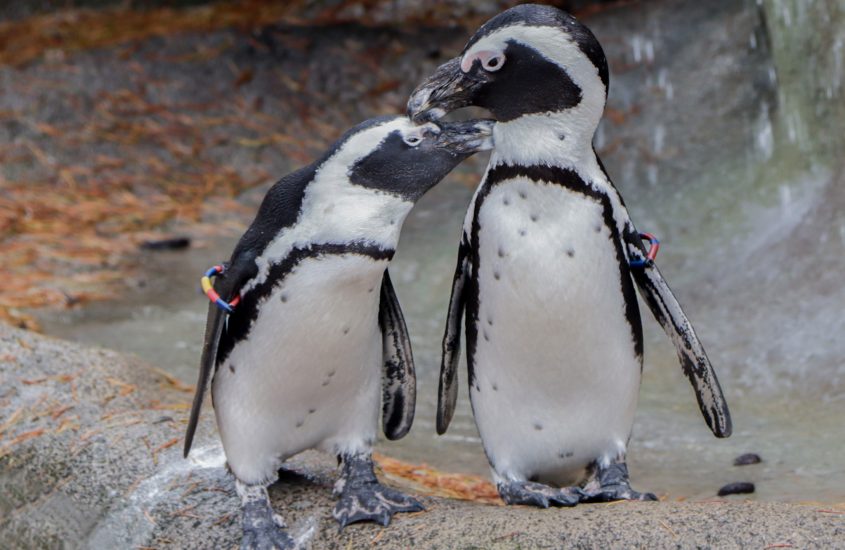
(90, 457)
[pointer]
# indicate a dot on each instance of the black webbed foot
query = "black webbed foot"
(262, 529)
(537, 494)
(611, 483)
(363, 498)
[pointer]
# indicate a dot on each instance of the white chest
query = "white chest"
(556, 374)
(308, 373)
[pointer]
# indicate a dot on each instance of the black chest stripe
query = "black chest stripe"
(568, 179)
(240, 321)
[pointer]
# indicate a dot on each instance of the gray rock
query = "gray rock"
(90, 458)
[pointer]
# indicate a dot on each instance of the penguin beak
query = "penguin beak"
(449, 88)
(466, 137)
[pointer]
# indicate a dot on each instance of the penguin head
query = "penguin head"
(398, 156)
(528, 60)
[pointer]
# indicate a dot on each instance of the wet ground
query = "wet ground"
(722, 137)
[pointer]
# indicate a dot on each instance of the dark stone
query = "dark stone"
(747, 458)
(175, 243)
(737, 488)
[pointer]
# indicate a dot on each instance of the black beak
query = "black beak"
(466, 137)
(447, 89)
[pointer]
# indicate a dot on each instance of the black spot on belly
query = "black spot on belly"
(489, 320)
(523, 195)
(501, 252)
(371, 289)
(561, 137)
(534, 217)
(598, 228)
(312, 411)
(565, 454)
(300, 423)
(326, 382)
(494, 386)
(331, 373)
(486, 336)
(570, 252)
(522, 232)
(506, 201)
(566, 178)
(232, 368)
(346, 330)
(538, 426)
(284, 298)
(497, 275)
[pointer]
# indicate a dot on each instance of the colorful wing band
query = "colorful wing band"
(209, 291)
(654, 246)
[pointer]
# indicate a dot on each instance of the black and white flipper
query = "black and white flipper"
(228, 284)
(399, 381)
(447, 393)
(213, 328)
(694, 362)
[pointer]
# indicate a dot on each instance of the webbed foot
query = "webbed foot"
(262, 529)
(363, 498)
(537, 494)
(612, 483)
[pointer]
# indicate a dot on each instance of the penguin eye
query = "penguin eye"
(493, 63)
(413, 141)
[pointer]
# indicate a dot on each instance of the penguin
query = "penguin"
(547, 266)
(317, 337)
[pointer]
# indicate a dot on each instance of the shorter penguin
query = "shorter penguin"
(318, 337)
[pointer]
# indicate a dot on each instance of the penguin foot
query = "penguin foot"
(262, 529)
(537, 494)
(611, 483)
(372, 503)
(363, 498)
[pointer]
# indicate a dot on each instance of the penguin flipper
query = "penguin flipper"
(239, 270)
(447, 393)
(213, 329)
(694, 362)
(399, 381)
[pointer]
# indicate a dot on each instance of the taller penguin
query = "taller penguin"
(317, 338)
(545, 269)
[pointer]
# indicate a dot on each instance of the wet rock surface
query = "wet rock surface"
(90, 457)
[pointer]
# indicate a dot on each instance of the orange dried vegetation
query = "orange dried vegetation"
(427, 480)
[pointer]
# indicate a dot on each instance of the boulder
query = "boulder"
(90, 457)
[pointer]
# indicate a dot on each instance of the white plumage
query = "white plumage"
(308, 374)
(556, 374)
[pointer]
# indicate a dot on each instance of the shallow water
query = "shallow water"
(725, 142)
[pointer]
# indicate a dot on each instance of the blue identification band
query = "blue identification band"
(654, 246)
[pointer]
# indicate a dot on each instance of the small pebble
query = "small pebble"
(737, 488)
(747, 458)
(176, 243)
